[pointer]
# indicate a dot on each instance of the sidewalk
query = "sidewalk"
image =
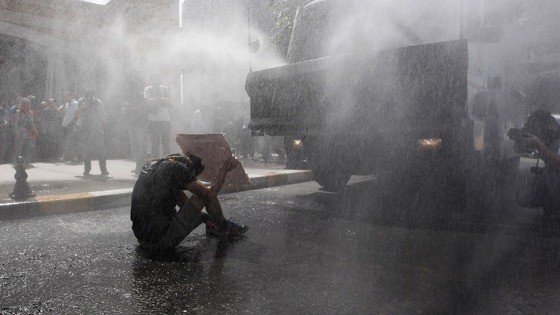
(61, 187)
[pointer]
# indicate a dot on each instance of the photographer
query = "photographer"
(91, 118)
(541, 134)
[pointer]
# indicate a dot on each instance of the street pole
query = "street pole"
(181, 2)
(181, 77)
(461, 18)
(249, 36)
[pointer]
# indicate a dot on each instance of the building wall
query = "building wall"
(53, 39)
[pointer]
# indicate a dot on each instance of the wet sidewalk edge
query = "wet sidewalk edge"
(99, 200)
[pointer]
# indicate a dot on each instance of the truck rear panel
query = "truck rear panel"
(406, 94)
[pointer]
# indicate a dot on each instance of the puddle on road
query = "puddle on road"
(48, 187)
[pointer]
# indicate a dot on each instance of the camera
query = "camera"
(517, 135)
(537, 124)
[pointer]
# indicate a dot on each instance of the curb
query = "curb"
(99, 200)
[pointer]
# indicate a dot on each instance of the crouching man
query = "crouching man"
(159, 192)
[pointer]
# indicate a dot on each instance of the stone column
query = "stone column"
(56, 82)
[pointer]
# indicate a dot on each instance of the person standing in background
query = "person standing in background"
(156, 98)
(4, 132)
(25, 132)
(13, 109)
(9, 114)
(40, 143)
(91, 117)
(52, 126)
(70, 134)
(136, 117)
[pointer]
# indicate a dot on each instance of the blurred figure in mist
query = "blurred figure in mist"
(25, 133)
(156, 98)
(12, 109)
(272, 144)
(52, 131)
(17, 103)
(246, 146)
(91, 119)
(230, 133)
(198, 122)
(541, 134)
(37, 108)
(4, 132)
(70, 133)
(135, 114)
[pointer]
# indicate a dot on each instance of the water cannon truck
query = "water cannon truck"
(424, 109)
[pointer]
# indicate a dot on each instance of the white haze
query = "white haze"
(383, 24)
(215, 60)
(367, 26)
(214, 65)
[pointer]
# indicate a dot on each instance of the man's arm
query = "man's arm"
(228, 165)
(198, 188)
(551, 158)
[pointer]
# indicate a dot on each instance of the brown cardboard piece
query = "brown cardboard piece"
(213, 149)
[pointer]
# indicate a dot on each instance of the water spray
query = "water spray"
(249, 36)
(253, 45)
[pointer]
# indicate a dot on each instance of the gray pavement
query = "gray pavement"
(306, 252)
(61, 187)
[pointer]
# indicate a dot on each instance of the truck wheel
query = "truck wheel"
(330, 178)
(328, 170)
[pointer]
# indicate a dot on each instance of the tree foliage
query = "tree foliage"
(285, 11)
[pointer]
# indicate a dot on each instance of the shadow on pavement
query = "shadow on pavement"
(187, 253)
(180, 254)
(191, 279)
(475, 264)
(97, 178)
(387, 205)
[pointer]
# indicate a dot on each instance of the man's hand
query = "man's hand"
(551, 158)
(231, 163)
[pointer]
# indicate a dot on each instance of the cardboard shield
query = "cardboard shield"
(213, 149)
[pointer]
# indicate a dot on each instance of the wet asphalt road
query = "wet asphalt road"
(306, 252)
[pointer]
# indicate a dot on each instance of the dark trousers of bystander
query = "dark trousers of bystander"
(160, 134)
(5, 143)
(246, 147)
(24, 147)
(50, 147)
(93, 147)
(71, 144)
(138, 146)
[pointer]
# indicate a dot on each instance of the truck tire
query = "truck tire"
(330, 178)
(328, 167)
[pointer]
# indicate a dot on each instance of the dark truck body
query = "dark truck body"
(432, 115)
(361, 113)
